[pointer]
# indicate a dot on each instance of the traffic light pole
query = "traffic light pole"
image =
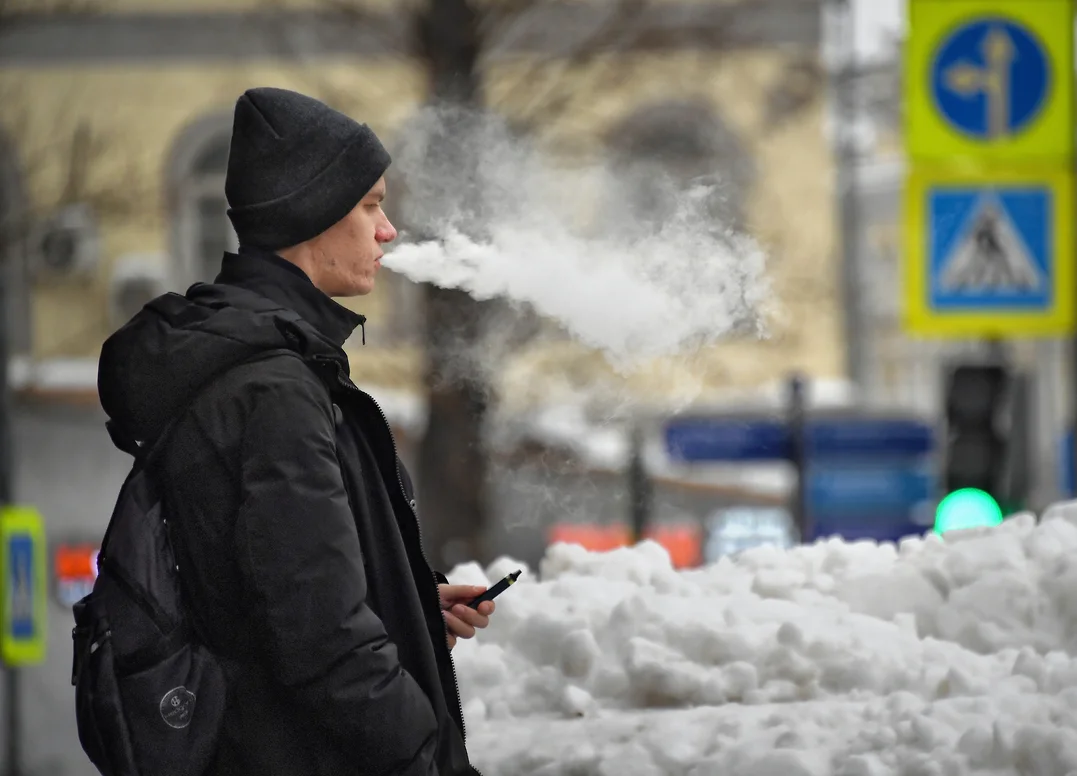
(1018, 431)
(640, 492)
(997, 352)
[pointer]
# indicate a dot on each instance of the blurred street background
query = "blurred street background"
(880, 387)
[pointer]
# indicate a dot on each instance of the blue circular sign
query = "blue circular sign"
(991, 78)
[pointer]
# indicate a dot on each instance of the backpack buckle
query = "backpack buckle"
(77, 653)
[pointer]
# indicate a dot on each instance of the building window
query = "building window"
(660, 148)
(215, 233)
(211, 230)
(201, 230)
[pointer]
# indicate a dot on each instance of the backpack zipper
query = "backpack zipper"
(346, 383)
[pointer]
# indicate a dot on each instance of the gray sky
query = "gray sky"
(875, 22)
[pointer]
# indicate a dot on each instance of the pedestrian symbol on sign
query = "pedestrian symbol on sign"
(991, 248)
(21, 586)
(992, 256)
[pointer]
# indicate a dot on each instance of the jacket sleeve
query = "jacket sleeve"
(306, 587)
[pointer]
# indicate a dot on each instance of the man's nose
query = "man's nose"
(385, 233)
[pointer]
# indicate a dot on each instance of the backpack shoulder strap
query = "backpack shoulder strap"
(150, 449)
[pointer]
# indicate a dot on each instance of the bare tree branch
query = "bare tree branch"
(801, 82)
(59, 158)
(594, 37)
(339, 15)
(370, 22)
(81, 156)
(62, 145)
(629, 25)
(556, 94)
(495, 16)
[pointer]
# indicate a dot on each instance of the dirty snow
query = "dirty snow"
(932, 658)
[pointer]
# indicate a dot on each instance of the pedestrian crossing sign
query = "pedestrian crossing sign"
(989, 255)
(23, 586)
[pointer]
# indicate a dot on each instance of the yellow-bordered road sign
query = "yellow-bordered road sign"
(23, 586)
(989, 79)
(989, 254)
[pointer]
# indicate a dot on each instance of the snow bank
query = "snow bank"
(936, 656)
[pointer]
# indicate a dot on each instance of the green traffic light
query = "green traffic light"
(967, 508)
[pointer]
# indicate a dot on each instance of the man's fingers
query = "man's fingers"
(459, 627)
(472, 617)
(451, 594)
(462, 591)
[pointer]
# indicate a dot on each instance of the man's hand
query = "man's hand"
(460, 618)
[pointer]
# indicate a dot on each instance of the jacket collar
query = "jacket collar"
(284, 283)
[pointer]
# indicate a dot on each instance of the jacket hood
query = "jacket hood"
(150, 369)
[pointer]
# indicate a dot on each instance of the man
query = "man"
(292, 518)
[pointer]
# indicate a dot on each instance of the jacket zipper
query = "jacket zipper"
(346, 382)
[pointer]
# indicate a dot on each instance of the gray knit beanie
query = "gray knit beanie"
(295, 167)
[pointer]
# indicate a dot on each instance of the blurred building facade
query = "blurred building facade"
(121, 115)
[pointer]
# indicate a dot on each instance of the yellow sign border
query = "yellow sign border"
(16, 521)
(928, 135)
(921, 319)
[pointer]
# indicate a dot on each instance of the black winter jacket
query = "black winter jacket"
(294, 528)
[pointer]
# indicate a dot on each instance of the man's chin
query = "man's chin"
(349, 290)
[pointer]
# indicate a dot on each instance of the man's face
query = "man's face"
(347, 256)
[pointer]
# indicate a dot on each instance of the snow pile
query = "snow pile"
(937, 656)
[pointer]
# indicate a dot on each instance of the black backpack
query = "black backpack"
(149, 694)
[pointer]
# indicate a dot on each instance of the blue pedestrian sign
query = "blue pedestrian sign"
(989, 252)
(20, 549)
(991, 78)
(992, 247)
(23, 586)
